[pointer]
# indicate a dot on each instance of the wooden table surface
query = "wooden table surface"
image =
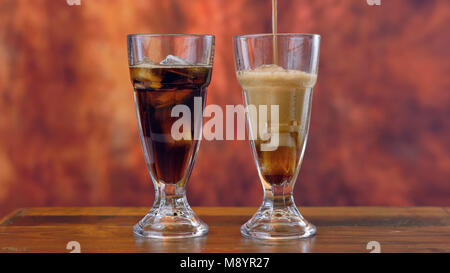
(340, 229)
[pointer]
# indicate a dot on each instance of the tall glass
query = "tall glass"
(277, 74)
(170, 74)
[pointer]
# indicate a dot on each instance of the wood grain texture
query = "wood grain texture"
(340, 229)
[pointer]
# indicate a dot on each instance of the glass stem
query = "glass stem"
(170, 197)
(278, 197)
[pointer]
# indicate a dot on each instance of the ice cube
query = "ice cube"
(170, 98)
(174, 60)
(146, 75)
(162, 99)
(146, 62)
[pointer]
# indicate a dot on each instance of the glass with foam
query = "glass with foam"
(277, 82)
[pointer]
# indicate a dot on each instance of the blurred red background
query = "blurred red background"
(380, 117)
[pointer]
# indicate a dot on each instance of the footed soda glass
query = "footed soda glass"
(277, 74)
(170, 74)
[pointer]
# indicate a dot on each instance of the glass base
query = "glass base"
(171, 223)
(177, 225)
(278, 224)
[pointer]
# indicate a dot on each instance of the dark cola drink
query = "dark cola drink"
(158, 88)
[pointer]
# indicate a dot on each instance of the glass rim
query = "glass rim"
(172, 35)
(263, 35)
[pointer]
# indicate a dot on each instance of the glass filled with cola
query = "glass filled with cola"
(170, 74)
